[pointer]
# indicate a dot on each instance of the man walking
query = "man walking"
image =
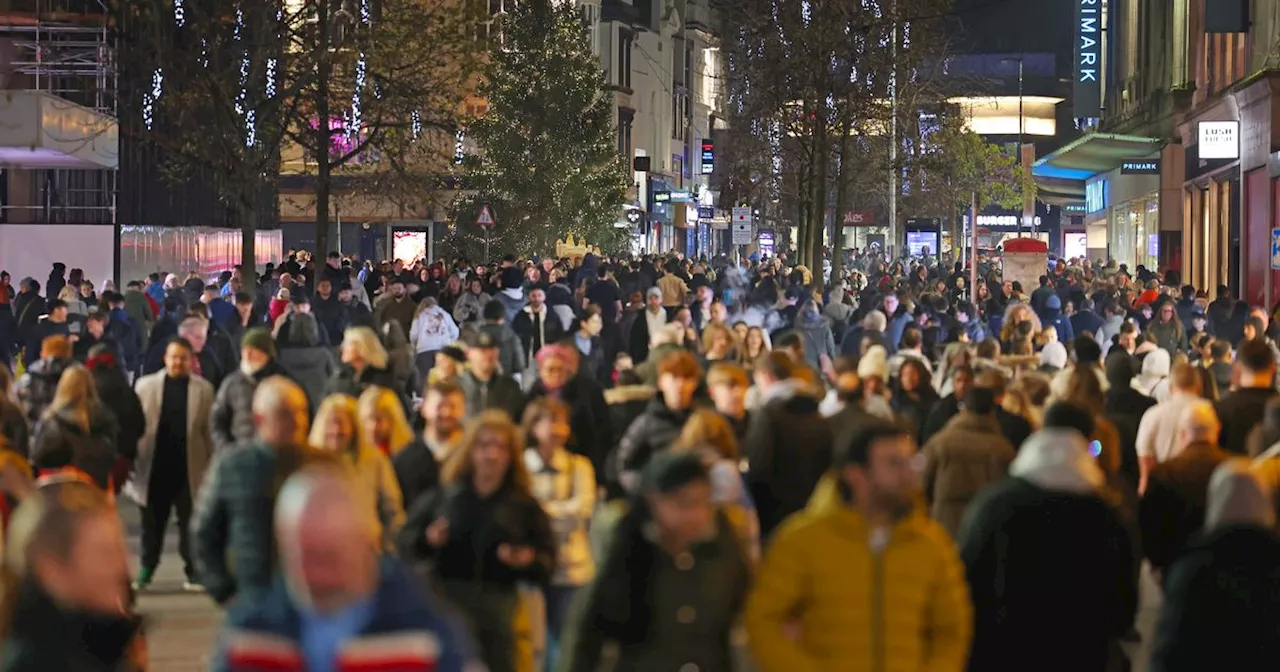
(172, 457)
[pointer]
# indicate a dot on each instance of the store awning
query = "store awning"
(1060, 176)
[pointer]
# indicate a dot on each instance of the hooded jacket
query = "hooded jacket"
(1220, 609)
(1052, 317)
(1021, 542)
(815, 330)
(1154, 379)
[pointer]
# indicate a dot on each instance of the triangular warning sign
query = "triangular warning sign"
(485, 218)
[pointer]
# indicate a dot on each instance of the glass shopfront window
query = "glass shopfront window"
(1133, 232)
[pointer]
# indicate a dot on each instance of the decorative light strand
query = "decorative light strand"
(149, 99)
(415, 124)
(271, 78)
(179, 13)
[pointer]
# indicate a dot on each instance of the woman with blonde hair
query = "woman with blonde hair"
(13, 422)
(718, 344)
(77, 430)
(710, 435)
(383, 422)
(484, 532)
(75, 305)
(754, 345)
(337, 430)
(364, 364)
(565, 484)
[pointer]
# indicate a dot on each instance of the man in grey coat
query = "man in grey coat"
(233, 409)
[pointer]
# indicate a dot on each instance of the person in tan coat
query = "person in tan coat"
(173, 455)
(969, 454)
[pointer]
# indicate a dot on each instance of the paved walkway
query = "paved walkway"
(181, 626)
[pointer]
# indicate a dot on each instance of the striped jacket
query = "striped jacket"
(409, 632)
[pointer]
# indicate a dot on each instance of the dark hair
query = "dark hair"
(184, 344)
(988, 348)
(243, 299)
(788, 339)
(777, 365)
(856, 448)
(494, 310)
(912, 337)
(96, 316)
(1087, 350)
(1259, 332)
(1066, 415)
(54, 305)
(1256, 356)
(1127, 327)
(1219, 348)
(980, 401)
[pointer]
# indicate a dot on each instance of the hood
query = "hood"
(1055, 355)
(514, 293)
(1238, 497)
(1155, 368)
(1058, 460)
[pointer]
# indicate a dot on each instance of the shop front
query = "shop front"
(1122, 216)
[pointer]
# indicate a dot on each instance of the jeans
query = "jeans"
(558, 599)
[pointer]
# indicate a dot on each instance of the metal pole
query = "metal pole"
(973, 248)
(486, 245)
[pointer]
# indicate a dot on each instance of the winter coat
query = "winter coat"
(38, 385)
(552, 329)
(1021, 541)
(402, 312)
(1053, 317)
(504, 394)
(376, 481)
(199, 445)
(896, 325)
(114, 391)
(638, 596)
(1240, 411)
(1168, 335)
(14, 429)
(1086, 322)
(409, 625)
(232, 519)
(511, 359)
(969, 454)
(1173, 507)
(788, 446)
(347, 381)
(651, 433)
(417, 471)
(128, 339)
(59, 443)
(626, 403)
(47, 637)
(139, 310)
(902, 607)
(1220, 606)
(232, 414)
(470, 307)
(512, 300)
(815, 332)
(592, 433)
(433, 329)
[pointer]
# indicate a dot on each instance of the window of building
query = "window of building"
(625, 38)
(625, 117)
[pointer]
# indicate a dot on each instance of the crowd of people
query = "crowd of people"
(651, 463)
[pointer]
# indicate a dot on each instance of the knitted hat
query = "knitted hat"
(874, 363)
(512, 278)
(259, 338)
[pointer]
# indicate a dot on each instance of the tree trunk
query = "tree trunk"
(323, 140)
(248, 240)
(842, 198)
(822, 158)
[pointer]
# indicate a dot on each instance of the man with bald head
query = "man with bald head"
(232, 522)
(339, 601)
(1173, 506)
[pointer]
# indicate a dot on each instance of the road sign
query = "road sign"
(741, 233)
(1275, 249)
(742, 216)
(485, 219)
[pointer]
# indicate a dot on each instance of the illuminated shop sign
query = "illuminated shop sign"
(1087, 100)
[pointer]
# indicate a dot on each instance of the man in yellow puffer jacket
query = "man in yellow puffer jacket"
(862, 580)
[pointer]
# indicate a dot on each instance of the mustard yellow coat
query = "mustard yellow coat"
(823, 601)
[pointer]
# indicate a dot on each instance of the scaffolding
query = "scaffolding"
(62, 48)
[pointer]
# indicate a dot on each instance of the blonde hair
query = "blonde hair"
(76, 397)
(69, 293)
(384, 403)
(711, 331)
(707, 429)
(333, 405)
(459, 466)
(367, 345)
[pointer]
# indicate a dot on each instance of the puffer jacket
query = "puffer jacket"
(470, 307)
(651, 433)
(60, 443)
(1168, 335)
(900, 608)
(969, 454)
(232, 413)
(815, 330)
(789, 446)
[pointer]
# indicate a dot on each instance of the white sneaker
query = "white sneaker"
(190, 587)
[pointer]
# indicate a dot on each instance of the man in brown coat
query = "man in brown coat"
(969, 454)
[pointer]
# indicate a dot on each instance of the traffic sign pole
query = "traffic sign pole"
(486, 221)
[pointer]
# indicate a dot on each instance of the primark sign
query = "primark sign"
(1087, 75)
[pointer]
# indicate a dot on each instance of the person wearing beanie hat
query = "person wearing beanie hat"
(1024, 536)
(1053, 358)
(1220, 607)
(873, 371)
(232, 414)
(671, 541)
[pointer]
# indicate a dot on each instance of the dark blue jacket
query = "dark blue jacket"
(893, 331)
(1086, 322)
(128, 338)
(409, 630)
(1052, 317)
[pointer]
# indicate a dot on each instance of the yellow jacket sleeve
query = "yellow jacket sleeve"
(949, 627)
(781, 590)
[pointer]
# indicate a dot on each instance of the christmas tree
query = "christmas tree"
(548, 163)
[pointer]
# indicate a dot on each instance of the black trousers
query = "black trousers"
(164, 496)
